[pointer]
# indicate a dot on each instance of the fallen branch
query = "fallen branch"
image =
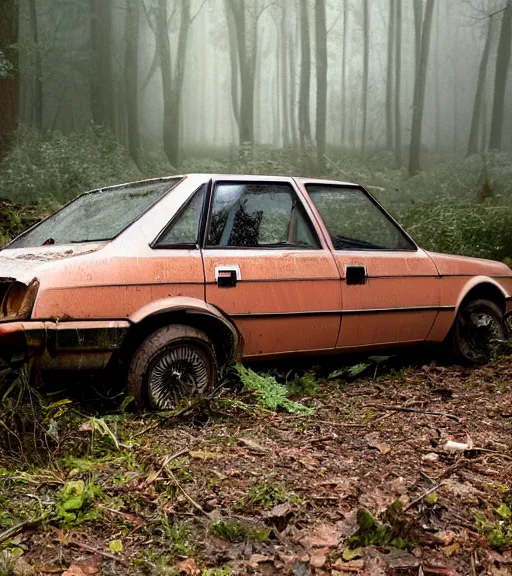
(420, 498)
(182, 490)
(87, 548)
(21, 527)
(413, 410)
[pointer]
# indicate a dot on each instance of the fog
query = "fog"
(191, 77)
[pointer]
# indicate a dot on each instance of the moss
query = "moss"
(234, 531)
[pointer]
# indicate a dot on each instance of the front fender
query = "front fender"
(474, 283)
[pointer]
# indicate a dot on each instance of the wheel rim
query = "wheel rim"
(177, 373)
(479, 331)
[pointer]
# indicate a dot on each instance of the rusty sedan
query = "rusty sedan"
(175, 277)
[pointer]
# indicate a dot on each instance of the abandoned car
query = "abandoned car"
(173, 278)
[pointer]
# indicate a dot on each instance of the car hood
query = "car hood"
(24, 264)
(449, 265)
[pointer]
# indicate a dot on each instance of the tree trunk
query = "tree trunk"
(480, 90)
(10, 86)
(174, 142)
(321, 79)
(398, 80)
(305, 76)
(164, 49)
(418, 18)
(500, 82)
(285, 103)
(344, 74)
(102, 95)
(37, 103)
(419, 92)
(366, 66)
(293, 91)
(389, 76)
(132, 28)
(438, 95)
(234, 63)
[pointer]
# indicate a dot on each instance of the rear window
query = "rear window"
(96, 216)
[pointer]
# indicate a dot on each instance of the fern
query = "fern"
(269, 392)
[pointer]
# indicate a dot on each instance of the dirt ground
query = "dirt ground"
(371, 483)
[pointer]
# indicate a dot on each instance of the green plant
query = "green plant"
(269, 392)
(266, 495)
(373, 532)
(497, 529)
(235, 531)
(178, 536)
(75, 503)
(307, 384)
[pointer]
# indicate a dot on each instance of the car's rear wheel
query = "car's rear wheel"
(479, 327)
(173, 364)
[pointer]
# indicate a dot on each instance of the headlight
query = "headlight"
(18, 301)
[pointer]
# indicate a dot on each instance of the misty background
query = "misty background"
(411, 98)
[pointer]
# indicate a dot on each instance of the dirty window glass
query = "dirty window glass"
(252, 215)
(354, 222)
(184, 229)
(96, 216)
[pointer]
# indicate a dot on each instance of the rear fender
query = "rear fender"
(195, 308)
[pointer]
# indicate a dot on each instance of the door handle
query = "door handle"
(355, 275)
(227, 276)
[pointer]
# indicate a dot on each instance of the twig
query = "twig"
(420, 498)
(167, 461)
(22, 526)
(189, 498)
(413, 410)
(92, 550)
(487, 451)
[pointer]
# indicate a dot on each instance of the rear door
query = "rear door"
(390, 288)
(267, 268)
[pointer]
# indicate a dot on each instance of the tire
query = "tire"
(173, 364)
(478, 327)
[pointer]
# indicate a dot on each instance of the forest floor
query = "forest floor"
(365, 485)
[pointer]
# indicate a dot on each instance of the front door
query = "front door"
(390, 288)
(266, 268)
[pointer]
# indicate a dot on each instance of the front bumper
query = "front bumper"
(62, 345)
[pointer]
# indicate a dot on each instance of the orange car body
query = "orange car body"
(81, 301)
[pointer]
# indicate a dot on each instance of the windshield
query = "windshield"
(96, 216)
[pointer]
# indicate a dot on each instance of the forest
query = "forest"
(396, 464)
(412, 99)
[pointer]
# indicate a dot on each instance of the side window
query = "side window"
(257, 214)
(354, 222)
(184, 227)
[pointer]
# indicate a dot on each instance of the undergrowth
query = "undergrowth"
(269, 392)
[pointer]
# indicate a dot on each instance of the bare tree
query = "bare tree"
(389, 75)
(480, 91)
(418, 18)
(131, 68)
(500, 81)
(366, 67)
(9, 82)
(234, 63)
(285, 101)
(305, 76)
(398, 80)
(419, 91)
(37, 98)
(102, 94)
(344, 73)
(321, 78)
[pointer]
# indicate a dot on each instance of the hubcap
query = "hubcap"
(179, 372)
(478, 332)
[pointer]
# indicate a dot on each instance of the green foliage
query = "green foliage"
(374, 533)
(497, 529)
(235, 531)
(178, 536)
(266, 496)
(269, 392)
(54, 168)
(307, 385)
(75, 503)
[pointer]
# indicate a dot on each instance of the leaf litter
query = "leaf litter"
(318, 485)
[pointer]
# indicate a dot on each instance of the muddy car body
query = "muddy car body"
(177, 276)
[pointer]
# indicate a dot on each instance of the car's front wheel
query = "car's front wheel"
(173, 364)
(479, 327)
